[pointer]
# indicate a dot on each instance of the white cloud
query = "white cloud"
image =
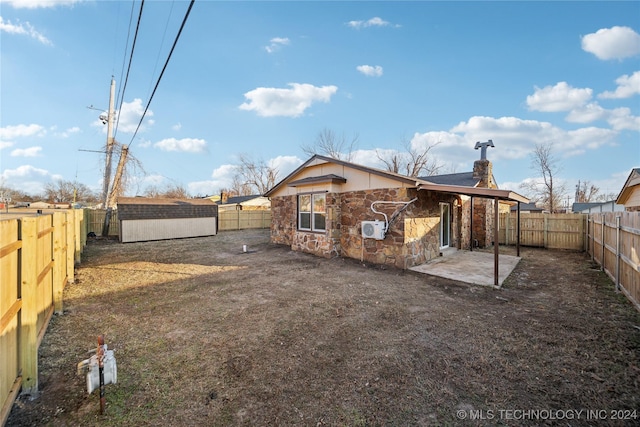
(369, 70)
(5, 144)
(25, 29)
(270, 102)
(622, 119)
(284, 165)
(277, 43)
(67, 133)
(177, 126)
(190, 145)
(628, 86)
(587, 113)
(20, 131)
(225, 172)
(373, 22)
(560, 97)
(612, 43)
(27, 178)
(26, 152)
(34, 4)
(23, 172)
(515, 138)
(129, 117)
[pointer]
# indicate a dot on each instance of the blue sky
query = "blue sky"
(265, 78)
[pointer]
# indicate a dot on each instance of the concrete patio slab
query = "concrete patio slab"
(470, 267)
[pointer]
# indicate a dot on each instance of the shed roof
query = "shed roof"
(162, 201)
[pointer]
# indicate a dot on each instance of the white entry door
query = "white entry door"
(445, 225)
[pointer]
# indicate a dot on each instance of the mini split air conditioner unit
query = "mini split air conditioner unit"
(373, 229)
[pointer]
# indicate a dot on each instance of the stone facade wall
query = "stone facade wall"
(284, 211)
(412, 238)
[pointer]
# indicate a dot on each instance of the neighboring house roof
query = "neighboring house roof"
(237, 200)
(531, 207)
(609, 206)
(401, 180)
(630, 186)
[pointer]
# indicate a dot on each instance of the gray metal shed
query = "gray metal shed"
(144, 219)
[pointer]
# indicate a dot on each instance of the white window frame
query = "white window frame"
(312, 215)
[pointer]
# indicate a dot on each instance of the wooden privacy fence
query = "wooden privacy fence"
(94, 220)
(613, 241)
(37, 258)
(552, 231)
(239, 220)
(227, 220)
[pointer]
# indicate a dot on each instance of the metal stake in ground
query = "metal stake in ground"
(100, 354)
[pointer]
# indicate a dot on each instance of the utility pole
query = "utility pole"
(117, 180)
(107, 166)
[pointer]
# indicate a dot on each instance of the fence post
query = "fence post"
(29, 312)
(58, 260)
(545, 231)
(69, 227)
(617, 254)
(593, 238)
(602, 238)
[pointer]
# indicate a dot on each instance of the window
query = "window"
(312, 212)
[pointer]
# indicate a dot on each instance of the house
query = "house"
(630, 194)
(145, 219)
(527, 208)
(239, 203)
(610, 206)
(331, 207)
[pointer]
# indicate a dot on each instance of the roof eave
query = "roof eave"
(489, 193)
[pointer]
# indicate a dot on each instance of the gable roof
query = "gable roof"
(418, 183)
(627, 189)
(318, 159)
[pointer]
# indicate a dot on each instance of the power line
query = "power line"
(133, 47)
(124, 61)
(175, 42)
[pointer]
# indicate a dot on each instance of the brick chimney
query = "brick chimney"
(224, 197)
(483, 169)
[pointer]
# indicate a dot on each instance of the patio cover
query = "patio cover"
(487, 193)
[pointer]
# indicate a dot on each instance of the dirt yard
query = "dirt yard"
(207, 335)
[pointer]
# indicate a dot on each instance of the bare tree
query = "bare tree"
(16, 195)
(238, 187)
(171, 191)
(586, 192)
(68, 191)
(255, 176)
(329, 144)
(546, 190)
(411, 162)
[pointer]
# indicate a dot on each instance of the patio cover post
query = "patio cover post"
(496, 251)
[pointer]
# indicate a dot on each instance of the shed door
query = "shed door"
(445, 225)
